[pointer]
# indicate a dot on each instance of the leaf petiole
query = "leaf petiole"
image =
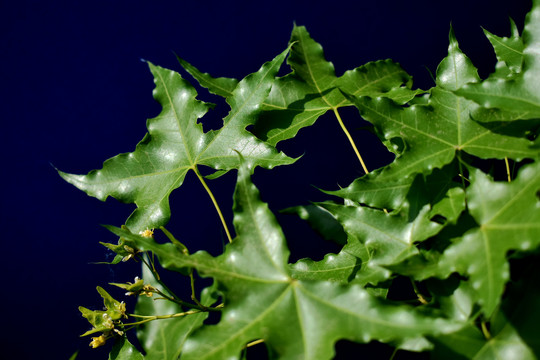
(148, 318)
(351, 141)
(507, 169)
(172, 297)
(485, 330)
(214, 201)
(193, 297)
(421, 297)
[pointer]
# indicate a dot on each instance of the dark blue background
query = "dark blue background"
(74, 93)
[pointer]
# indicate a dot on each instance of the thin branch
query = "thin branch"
(171, 297)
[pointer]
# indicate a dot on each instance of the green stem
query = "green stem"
(193, 297)
(148, 318)
(255, 342)
(197, 306)
(418, 294)
(485, 330)
(174, 241)
(156, 275)
(214, 201)
(463, 178)
(172, 297)
(507, 169)
(338, 117)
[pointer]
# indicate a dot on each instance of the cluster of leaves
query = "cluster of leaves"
(456, 213)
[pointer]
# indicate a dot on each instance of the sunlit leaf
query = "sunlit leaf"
(263, 301)
(321, 221)
(509, 51)
(520, 92)
(434, 134)
(176, 144)
(508, 218)
(124, 350)
(164, 339)
(511, 333)
(312, 88)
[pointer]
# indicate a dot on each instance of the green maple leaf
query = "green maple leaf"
(124, 350)
(321, 221)
(176, 144)
(520, 92)
(163, 340)
(341, 267)
(509, 52)
(376, 191)
(432, 135)
(512, 332)
(222, 86)
(298, 99)
(390, 238)
(434, 197)
(263, 300)
(508, 218)
(312, 88)
(397, 194)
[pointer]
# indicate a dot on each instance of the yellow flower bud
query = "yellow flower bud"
(98, 341)
(147, 233)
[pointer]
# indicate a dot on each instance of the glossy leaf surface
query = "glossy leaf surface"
(511, 333)
(176, 144)
(164, 339)
(522, 91)
(312, 88)
(263, 301)
(434, 134)
(124, 350)
(509, 51)
(508, 218)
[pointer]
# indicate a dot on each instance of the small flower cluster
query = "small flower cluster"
(107, 322)
(131, 253)
(102, 339)
(137, 288)
(149, 233)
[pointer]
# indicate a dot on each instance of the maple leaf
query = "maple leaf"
(175, 144)
(376, 191)
(312, 88)
(431, 135)
(263, 301)
(509, 52)
(390, 238)
(298, 99)
(520, 92)
(163, 340)
(221, 86)
(512, 331)
(377, 239)
(123, 349)
(508, 218)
